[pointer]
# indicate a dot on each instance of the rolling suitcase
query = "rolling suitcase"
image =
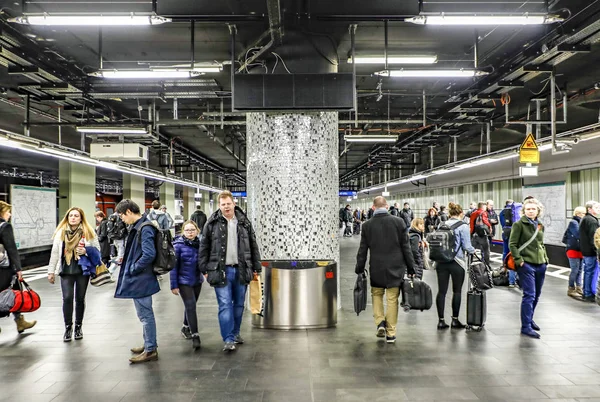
(476, 308)
(416, 295)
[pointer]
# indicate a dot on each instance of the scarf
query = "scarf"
(71, 240)
(195, 242)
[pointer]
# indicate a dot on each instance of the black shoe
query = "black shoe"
(442, 324)
(589, 299)
(78, 332)
(196, 341)
(186, 332)
(238, 340)
(390, 339)
(534, 326)
(381, 329)
(68, 333)
(457, 324)
(531, 333)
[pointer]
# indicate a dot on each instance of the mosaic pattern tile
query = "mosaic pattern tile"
(292, 184)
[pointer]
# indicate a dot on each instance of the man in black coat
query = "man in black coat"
(407, 214)
(199, 217)
(588, 226)
(386, 238)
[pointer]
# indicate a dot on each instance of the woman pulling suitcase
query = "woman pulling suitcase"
(527, 248)
(454, 269)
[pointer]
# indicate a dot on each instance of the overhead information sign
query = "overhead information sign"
(529, 151)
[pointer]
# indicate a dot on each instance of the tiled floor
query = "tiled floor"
(347, 363)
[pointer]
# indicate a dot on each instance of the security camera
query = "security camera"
(568, 141)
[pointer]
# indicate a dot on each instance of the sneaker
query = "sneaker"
(229, 347)
(238, 340)
(512, 286)
(196, 344)
(144, 357)
(186, 332)
(390, 339)
(381, 329)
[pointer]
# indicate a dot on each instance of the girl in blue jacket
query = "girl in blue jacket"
(186, 279)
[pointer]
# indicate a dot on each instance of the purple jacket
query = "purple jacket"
(186, 271)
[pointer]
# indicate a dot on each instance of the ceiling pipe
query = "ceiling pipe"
(275, 31)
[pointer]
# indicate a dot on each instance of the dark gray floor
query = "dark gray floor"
(347, 363)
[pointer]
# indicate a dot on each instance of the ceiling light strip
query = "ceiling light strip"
(89, 20)
(484, 19)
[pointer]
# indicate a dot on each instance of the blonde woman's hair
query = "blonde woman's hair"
(537, 203)
(579, 210)
(4, 207)
(88, 231)
(416, 222)
(190, 222)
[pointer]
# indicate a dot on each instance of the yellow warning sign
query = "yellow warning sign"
(529, 152)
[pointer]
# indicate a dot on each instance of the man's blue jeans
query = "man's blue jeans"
(590, 276)
(531, 279)
(231, 299)
(576, 265)
(143, 307)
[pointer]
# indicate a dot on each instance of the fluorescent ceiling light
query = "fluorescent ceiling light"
(112, 130)
(87, 20)
(156, 73)
(371, 138)
(455, 73)
(394, 59)
(474, 19)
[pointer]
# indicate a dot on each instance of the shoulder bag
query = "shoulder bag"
(509, 261)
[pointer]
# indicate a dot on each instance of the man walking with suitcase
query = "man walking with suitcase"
(386, 238)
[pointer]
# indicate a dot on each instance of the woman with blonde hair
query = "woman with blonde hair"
(417, 244)
(571, 240)
(10, 263)
(186, 279)
(527, 248)
(73, 238)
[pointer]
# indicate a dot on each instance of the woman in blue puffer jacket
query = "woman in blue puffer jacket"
(186, 279)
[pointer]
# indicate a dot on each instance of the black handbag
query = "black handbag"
(480, 275)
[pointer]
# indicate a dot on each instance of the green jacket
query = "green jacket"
(535, 252)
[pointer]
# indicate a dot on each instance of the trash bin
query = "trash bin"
(298, 294)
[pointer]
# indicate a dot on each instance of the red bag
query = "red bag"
(509, 262)
(26, 301)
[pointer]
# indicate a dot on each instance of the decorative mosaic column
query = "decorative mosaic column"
(292, 184)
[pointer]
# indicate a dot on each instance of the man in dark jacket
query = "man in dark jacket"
(136, 276)
(386, 238)
(395, 209)
(588, 226)
(492, 218)
(199, 217)
(230, 259)
(407, 214)
(346, 217)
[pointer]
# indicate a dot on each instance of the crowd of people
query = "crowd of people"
(398, 247)
(220, 249)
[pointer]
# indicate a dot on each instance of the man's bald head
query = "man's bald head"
(380, 202)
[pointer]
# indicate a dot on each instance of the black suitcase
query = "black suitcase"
(416, 295)
(476, 310)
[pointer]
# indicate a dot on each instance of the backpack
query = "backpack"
(116, 229)
(442, 242)
(512, 213)
(481, 229)
(165, 258)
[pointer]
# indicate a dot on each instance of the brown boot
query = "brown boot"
(579, 290)
(137, 351)
(22, 325)
(144, 357)
(572, 292)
